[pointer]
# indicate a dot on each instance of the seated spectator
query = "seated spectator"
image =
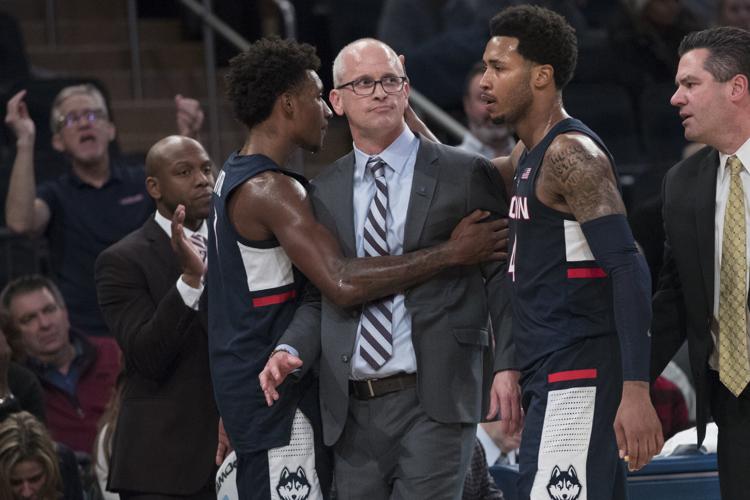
(19, 388)
(670, 407)
(645, 35)
(486, 138)
(86, 210)
(479, 484)
(30, 464)
(103, 443)
(733, 13)
(500, 448)
(77, 373)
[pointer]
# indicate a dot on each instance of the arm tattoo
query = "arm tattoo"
(585, 179)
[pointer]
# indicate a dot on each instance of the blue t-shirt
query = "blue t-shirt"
(84, 220)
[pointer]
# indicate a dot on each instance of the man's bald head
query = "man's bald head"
(351, 55)
(179, 171)
(160, 153)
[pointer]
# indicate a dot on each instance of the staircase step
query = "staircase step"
(80, 58)
(156, 84)
(89, 31)
(67, 9)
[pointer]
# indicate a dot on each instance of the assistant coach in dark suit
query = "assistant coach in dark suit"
(402, 415)
(702, 293)
(148, 286)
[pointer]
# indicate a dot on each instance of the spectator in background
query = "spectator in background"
(479, 484)
(645, 34)
(486, 138)
(733, 13)
(499, 446)
(77, 372)
(149, 284)
(442, 38)
(31, 465)
(84, 211)
(670, 407)
(19, 388)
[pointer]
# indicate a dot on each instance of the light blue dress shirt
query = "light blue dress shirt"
(400, 157)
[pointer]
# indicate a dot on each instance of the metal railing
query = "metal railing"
(211, 24)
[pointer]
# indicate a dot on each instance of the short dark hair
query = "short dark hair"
(544, 37)
(27, 284)
(729, 51)
(260, 74)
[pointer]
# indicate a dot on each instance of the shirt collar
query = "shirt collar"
(743, 153)
(395, 155)
(166, 225)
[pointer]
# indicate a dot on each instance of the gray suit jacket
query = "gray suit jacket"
(453, 313)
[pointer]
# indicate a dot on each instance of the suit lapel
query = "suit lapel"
(342, 206)
(705, 214)
(426, 169)
(161, 246)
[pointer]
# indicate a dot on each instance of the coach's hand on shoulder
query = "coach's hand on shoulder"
(637, 427)
(474, 241)
(278, 367)
(505, 401)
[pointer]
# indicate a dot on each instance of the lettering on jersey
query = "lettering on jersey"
(519, 208)
(526, 173)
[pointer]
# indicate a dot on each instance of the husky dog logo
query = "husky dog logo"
(293, 486)
(564, 485)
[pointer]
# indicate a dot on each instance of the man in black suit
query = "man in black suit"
(702, 292)
(148, 289)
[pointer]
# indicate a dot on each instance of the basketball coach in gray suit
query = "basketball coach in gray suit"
(403, 381)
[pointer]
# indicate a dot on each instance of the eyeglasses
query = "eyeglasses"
(88, 115)
(366, 86)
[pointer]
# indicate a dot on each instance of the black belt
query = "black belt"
(373, 388)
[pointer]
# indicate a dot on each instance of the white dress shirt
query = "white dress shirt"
(191, 296)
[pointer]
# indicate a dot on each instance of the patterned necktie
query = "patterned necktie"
(734, 366)
(200, 244)
(376, 344)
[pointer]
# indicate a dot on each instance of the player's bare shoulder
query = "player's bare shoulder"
(577, 177)
(506, 165)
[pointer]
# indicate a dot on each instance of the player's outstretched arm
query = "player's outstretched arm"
(577, 171)
(274, 202)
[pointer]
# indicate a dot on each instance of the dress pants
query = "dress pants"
(391, 449)
(732, 416)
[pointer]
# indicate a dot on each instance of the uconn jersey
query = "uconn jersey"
(560, 295)
(253, 291)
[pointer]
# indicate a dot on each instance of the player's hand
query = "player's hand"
(475, 241)
(18, 119)
(224, 447)
(189, 116)
(191, 262)
(505, 401)
(277, 368)
(637, 428)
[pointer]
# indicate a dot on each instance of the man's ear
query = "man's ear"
(286, 100)
(57, 143)
(334, 97)
(543, 75)
(153, 188)
(739, 87)
(111, 131)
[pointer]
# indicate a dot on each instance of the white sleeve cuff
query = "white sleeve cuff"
(190, 296)
(286, 347)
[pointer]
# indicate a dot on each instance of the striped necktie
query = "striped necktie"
(200, 244)
(376, 343)
(734, 366)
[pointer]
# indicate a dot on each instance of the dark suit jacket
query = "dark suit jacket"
(684, 301)
(165, 439)
(451, 328)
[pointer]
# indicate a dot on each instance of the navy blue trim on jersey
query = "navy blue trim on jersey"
(561, 295)
(253, 291)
